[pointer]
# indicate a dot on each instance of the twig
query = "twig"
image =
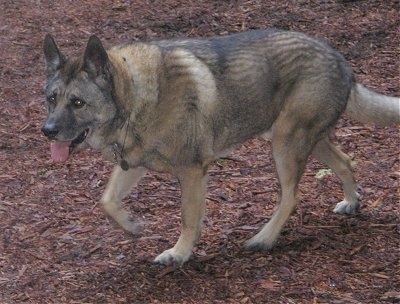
(382, 225)
(36, 256)
(321, 227)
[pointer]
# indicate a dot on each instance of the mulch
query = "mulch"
(57, 246)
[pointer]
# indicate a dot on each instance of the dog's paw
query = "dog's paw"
(350, 206)
(265, 239)
(122, 218)
(258, 244)
(129, 226)
(171, 257)
(132, 227)
(345, 207)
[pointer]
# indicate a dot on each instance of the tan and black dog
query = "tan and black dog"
(178, 105)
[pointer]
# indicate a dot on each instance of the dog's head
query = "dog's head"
(79, 98)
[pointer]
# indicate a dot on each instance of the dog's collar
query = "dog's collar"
(118, 156)
(118, 150)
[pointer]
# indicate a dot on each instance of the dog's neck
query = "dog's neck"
(132, 79)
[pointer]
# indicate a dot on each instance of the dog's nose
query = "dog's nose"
(50, 131)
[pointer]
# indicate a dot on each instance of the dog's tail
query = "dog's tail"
(369, 107)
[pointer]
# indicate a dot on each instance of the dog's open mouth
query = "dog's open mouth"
(60, 150)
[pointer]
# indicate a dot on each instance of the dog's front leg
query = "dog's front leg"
(117, 188)
(193, 187)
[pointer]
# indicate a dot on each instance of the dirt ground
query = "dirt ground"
(56, 245)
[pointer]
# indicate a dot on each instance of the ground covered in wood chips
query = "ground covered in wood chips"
(56, 245)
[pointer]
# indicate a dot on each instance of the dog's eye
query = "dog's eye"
(78, 103)
(52, 98)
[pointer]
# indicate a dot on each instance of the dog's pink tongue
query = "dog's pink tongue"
(59, 151)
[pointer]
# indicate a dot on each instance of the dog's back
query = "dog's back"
(255, 73)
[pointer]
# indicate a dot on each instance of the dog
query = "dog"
(178, 105)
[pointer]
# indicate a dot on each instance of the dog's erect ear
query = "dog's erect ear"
(95, 59)
(54, 58)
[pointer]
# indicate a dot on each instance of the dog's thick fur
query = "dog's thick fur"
(178, 105)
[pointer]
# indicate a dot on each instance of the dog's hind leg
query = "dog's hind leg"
(193, 187)
(291, 148)
(328, 153)
(117, 188)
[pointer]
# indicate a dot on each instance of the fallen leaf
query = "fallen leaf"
(270, 285)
